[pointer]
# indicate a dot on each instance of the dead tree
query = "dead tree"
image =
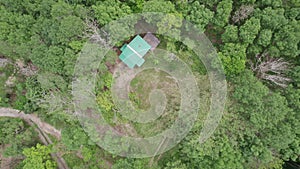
(243, 13)
(94, 34)
(271, 69)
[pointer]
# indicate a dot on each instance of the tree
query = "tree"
(159, 6)
(287, 40)
(48, 59)
(294, 74)
(61, 9)
(249, 30)
(230, 34)
(265, 37)
(272, 3)
(17, 134)
(70, 58)
(130, 164)
(70, 29)
(222, 15)
(170, 25)
(199, 15)
(109, 10)
(233, 57)
(15, 33)
(267, 121)
(74, 137)
(209, 3)
(247, 2)
(292, 13)
(175, 165)
(217, 152)
(38, 158)
(136, 5)
(271, 18)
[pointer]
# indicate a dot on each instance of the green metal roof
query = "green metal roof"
(133, 53)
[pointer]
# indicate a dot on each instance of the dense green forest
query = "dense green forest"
(257, 42)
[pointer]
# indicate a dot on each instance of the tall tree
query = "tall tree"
(249, 30)
(222, 15)
(38, 157)
(109, 10)
(233, 57)
(199, 15)
(230, 34)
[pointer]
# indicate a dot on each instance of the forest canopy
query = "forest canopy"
(257, 42)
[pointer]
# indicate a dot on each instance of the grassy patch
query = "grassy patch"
(140, 89)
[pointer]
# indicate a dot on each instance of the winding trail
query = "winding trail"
(42, 129)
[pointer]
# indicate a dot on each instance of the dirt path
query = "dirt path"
(45, 127)
(42, 129)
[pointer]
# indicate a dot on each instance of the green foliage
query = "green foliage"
(209, 3)
(104, 100)
(134, 99)
(170, 25)
(104, 97)
(21, 100)
(61, 9)
(199, 15)
(109, 10)
(92, 157)
(162, 7)
(222, 15)
(17, 134)
(70, 29)
(190, 58)
(259, 129)
(295, 75)
(230, 34)
(74, 137)
(247, 1)
(48, 59)
(131, 164)
(136, 5)
(233, 57)
(217, 152)
(292, 13)
(74, 161)
(15, 32)
(275, 164)
(38, 158)
(175, 165)
(272, 18)
(287, 40)
(49, 81)
(253, 50)
(265, 37)
(159, 6)
(273, 3)
(268, 123)
(249, 30)
(34, 92)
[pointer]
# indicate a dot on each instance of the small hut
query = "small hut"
(152, 40)
(133, 53)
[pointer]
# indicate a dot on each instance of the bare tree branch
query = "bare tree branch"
(94, 34)
(271, 69)
(242, 13)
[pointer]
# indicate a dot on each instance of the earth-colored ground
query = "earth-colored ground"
(42, 129)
